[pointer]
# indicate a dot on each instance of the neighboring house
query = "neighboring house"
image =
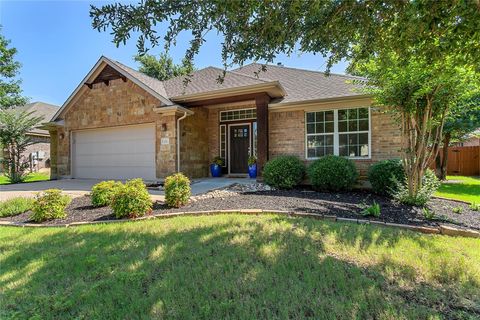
(39, 153)
(472, 140)
(120, 123)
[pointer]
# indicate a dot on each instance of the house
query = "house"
(39, 152)
(120, 123)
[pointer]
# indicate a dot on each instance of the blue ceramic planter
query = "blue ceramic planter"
(216, 170)
(252, 171)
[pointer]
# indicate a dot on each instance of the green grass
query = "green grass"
(36, 176)
(468, 189)
(236, 267)
(14, 206)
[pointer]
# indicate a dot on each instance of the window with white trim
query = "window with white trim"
(344, 132)
(238, 114)
(223, 142)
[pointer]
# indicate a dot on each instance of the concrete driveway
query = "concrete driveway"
(80, 187)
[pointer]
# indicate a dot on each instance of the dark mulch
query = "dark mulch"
(348, 205)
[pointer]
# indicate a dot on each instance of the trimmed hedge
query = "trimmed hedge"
(284, 172)
(49, 204)
(177, 190)
(103, 192)
(385, 175)
(332, 173)
(131, 200)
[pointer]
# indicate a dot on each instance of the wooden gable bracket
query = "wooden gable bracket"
(89, 85)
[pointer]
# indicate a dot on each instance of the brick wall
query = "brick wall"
(41, 144)
(287, 136)
(194, 155)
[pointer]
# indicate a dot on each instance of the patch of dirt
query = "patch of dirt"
(348, 205)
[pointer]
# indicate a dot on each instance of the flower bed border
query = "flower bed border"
(442, 229)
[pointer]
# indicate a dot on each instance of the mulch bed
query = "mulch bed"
(348, 205)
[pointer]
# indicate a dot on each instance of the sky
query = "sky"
(57, 47)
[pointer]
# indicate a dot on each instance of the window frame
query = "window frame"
(239, 119)
(336, 133)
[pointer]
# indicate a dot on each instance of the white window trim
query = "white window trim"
(336, 139)
(225, 158)
(232, 110)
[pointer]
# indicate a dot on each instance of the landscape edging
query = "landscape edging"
(442, 229)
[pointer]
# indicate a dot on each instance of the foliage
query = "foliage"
(254, 30)
(31, 177)
(428, 214)
(14, 125)
(463, 189)
(284, 172)
(177, 190)
(430, 184)
(252, 160)
(49, 204)
(10, 91)
(14, 206)
(218, 161)
(183, 262)
(131, 200)
(373, 210)
(457, 209)
(332, 173)
(474, 206)
(103, 192)
(163, 68)
(384, 174)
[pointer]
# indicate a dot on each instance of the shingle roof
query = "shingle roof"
(206, 80)
(303, 85)
(40, 109)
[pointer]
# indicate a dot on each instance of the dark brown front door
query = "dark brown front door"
(239, 148)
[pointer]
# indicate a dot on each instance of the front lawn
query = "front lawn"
(36, 176)
(460, 188)
(236, 267)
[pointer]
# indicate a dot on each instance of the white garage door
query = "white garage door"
(114, 153)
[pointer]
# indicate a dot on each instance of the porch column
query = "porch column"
(261, 103)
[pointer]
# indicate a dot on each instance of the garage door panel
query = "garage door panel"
(115, 153)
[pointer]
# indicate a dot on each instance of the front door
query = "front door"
(239, 148)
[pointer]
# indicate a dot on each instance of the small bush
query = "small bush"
(429, 187)
(457, 210)
(384, 175)
(15, 206)
(177, 190)
(332, 173)
(428, 214)
(284, 172)
(474, 206)
(131, 200)
(49, 205)
(103, 193)
(373, 210)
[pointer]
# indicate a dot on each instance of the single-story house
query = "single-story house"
(38, 153)
(120, 123)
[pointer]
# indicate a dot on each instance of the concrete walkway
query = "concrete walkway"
(80, 187)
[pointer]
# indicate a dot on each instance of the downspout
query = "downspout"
(178, 139)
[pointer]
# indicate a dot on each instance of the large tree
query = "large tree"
(10, 91)
(163, 67)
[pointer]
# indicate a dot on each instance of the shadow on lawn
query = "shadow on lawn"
(462, 189)
(216, 270)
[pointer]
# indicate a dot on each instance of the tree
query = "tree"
(10, 91)
(420, 93)
(14, 125)
(463, 119)
(163, 68)
(260, 30)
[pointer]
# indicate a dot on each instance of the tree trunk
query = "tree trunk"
(443, 169)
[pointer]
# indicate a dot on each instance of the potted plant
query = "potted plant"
(252, 167)
(216, 167)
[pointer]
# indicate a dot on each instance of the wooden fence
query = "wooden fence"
(462, 161)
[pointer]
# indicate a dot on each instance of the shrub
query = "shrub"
(14, 206)
(284, 172)
(49, 204)
(131, 200)
(177, 190)
(430, 185)
(373, 210)
(474, 206)
(103, 193)
(428, 214)
(332, 173)
(457, 210)
(384, 175)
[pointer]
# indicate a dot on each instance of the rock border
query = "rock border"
(442, 229)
